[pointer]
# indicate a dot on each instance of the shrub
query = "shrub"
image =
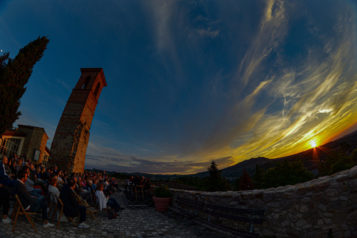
(162, 192)
(337, 162)
(286, 173)
(244, 182)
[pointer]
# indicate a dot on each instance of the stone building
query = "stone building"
(71, 138)
(27, 141)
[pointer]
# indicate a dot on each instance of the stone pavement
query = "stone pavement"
(143, 222)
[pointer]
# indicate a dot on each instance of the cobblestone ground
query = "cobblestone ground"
(143, 222)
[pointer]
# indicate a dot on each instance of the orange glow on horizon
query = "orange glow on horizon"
(323, 136)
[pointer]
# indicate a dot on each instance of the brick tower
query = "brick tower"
(69, 145)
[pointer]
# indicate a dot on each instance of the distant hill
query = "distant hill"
(311, 158)
(236, 170)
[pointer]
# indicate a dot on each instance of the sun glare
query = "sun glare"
(313, 143)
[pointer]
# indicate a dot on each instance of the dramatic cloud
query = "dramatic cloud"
(285, 91)
(194, 81)
(298, 92)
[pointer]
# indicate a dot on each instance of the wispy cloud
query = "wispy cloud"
(208, 32)
(318, 98)
(314, 99)
(275, 103)
(270, 34)
(162, 12)
(230, 80)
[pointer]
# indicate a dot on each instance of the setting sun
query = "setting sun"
(313, 143)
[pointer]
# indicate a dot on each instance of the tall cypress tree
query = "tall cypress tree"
(14, 74)
(215, 181)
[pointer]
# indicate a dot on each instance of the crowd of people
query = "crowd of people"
(38, 186)
(138, 187)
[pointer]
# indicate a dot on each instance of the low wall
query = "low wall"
(308, 209)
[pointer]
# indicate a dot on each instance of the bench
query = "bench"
(233, 220)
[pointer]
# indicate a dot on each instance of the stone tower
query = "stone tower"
(69, 145)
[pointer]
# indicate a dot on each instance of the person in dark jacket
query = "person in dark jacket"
(30, 203)
(71, 206)
(5, 182)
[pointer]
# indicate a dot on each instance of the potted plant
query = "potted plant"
(162, 198)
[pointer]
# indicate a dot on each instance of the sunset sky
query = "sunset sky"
(192, 81)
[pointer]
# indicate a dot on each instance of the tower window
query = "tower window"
(96, 89)
(86, 82)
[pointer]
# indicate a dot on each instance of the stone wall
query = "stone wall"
(308, 209)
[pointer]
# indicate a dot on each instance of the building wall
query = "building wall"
(43, 147)
(304, 210)
(36, 139)
(45, 157)
(3, 144)
(71, 138)
(26, 146)
(31, 139)
(79, 161)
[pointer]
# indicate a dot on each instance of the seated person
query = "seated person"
(36, 192)
(83, 189)
(105, 201)
(53, 190)
(5, 181)
(44, 174)
(71, 203)
(53, 194)
(30, 203)
(89, 187)
(102, 200)
(60, 177)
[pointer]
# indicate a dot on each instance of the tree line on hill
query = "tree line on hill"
(283, 173)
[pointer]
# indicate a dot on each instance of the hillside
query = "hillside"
(311, 158)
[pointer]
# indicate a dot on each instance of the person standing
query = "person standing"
(5, 181)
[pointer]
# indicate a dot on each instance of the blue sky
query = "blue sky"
(192, 81)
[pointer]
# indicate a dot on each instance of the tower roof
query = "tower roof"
(98, 70)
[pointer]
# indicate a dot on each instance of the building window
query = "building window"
(96, 90)
(86, 82)
(10, 146)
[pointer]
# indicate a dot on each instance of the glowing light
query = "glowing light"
(313, 143)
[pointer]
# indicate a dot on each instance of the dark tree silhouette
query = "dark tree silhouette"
(215, 181)
(213, 171)
(258, 177)
(245, 182)
(14, 74)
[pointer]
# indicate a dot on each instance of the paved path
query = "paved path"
(143, 222)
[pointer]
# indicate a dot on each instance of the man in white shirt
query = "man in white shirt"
(102, 199)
